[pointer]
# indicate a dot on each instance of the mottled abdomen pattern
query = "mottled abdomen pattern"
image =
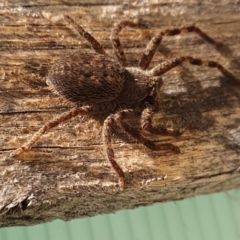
(87, 78)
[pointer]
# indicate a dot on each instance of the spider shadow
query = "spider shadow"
(189, 108)
(226, 52)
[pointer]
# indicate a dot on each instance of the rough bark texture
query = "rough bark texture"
(66, 174)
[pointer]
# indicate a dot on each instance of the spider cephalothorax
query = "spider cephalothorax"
(94, 80)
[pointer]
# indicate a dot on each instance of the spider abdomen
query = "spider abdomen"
(87, 78)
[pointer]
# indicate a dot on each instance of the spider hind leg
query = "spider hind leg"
(48, 126)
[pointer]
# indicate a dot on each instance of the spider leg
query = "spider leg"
(146, 123)
(95, 44)
(156, 40)
(119, 118)
(117, 47)
(107, 133)
(55, 122)
(168, 65)
(107, 140)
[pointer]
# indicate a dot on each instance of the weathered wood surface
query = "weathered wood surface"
(66, 174)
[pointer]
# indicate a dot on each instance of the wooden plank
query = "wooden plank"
(66, 174)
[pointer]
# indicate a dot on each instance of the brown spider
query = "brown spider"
(97, 83)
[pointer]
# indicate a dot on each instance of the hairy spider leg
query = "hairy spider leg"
(168, 65)
(116, 44)
(95, 44)
(47, 127)
(146, 123)
(118, 118)
(107, 141)
(156, 40)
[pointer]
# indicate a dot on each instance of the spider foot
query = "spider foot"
(121, 183)
(18, 151)
(168, 146)
(162, 147)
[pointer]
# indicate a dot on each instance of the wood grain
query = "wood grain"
(66, 174)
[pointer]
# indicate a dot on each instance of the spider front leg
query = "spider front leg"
(146, 123)
(156, 40)
(119, 119)
(168, 65)
(107, 141)
(55, 122)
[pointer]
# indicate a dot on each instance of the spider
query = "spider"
(97, 83)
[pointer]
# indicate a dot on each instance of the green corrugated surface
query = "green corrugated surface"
(209, 217)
